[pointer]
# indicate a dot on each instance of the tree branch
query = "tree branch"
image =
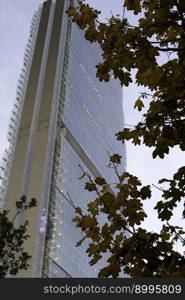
(99, 195)
(169, 49)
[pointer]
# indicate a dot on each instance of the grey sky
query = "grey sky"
(15, 17)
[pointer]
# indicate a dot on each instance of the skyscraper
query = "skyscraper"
(63, 118)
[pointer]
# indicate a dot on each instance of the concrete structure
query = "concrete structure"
(63, 117)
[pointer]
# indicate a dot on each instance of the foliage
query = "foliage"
(13, 257)
(155, 50)
(131, 248)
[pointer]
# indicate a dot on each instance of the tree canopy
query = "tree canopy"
(126, 48)
(13, 257)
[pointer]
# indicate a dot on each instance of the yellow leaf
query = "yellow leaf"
(139, 104)
(71, 11)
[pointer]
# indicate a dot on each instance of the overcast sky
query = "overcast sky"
(15, 18)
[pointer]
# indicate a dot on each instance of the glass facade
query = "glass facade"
(91, 112)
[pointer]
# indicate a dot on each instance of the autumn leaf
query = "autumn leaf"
(78, 210)
(115, 158)
(139, 104)
(100, 181)
(71, 11)
(95, 259)
(134, 53)
(89, 221)
(145, 192)
(79, 243)
(90, 186)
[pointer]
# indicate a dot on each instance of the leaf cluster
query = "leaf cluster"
(126, 48)
(132, 249)
(13, 257)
